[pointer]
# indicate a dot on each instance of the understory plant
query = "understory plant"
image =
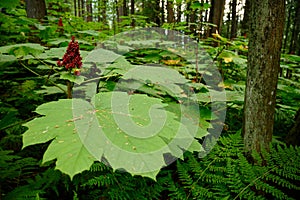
(71, 61)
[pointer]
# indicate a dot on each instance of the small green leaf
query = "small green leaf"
(71, 77)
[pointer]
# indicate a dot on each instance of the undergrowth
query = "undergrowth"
(224, 173)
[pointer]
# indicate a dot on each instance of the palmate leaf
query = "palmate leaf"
(20, 50)
(132, 132)
(58, 125)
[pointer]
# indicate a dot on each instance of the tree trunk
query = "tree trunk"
(36, 9)
(294, 48)
(233, 31)
(228, 25)
(82, 8)
(162, 10)
(216, 15)
(75, 8)
(188, 7)
(293, 137)
(170, 11)
(125, 9)
(265, 40)
(132, 11)
(287, 26)
(179, 12)
(245, 22)
(79, 8)
(193, 22)
(89, 10)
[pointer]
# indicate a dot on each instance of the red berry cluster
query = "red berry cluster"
(72, 59)
(60, 22)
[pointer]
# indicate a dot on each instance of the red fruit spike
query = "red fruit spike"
(60, 23)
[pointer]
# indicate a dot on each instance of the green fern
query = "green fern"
(225, 173)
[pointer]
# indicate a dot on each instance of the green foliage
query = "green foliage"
(69, 149)
(29, 77)
(225, 173)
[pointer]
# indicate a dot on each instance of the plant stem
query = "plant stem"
(43, 77)
(69, 88)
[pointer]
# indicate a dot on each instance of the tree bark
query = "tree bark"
(132, 11)
(233, 31)
(162, 11)
(75, 8)
(295, 46)
(89, 10)
(36, 9)
(82, 8)
(216, 15)
(293, 137)
(79, 8)
(125, 9)
(245, 22)
(179, 12)
(265, 40)
(287, 26)
(170, 11)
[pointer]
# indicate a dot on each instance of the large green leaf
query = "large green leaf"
(20, 50)
(132, 132)
(58, 125)
(164, 79)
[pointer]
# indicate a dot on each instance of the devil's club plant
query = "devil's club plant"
(72, 63)
(72, 59)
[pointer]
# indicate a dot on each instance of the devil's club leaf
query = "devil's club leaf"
(71, 77)
(135, 133)
(58, 125)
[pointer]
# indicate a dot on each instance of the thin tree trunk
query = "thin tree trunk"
(188, 7)
(75, 8)
(265, 40)
(233, 30)
(245, 22)
(294, 48)
(170, 11)
(125, 10)
(82, 8)
(162, 12)
(179, 12)
(293, 137)
(79, 8)
(228, 25)
(193, 22)
(156, 11)
(132, 9)
(36, 9)
(216, 15)
(89, 10)
(287, 27)
(206, 13)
